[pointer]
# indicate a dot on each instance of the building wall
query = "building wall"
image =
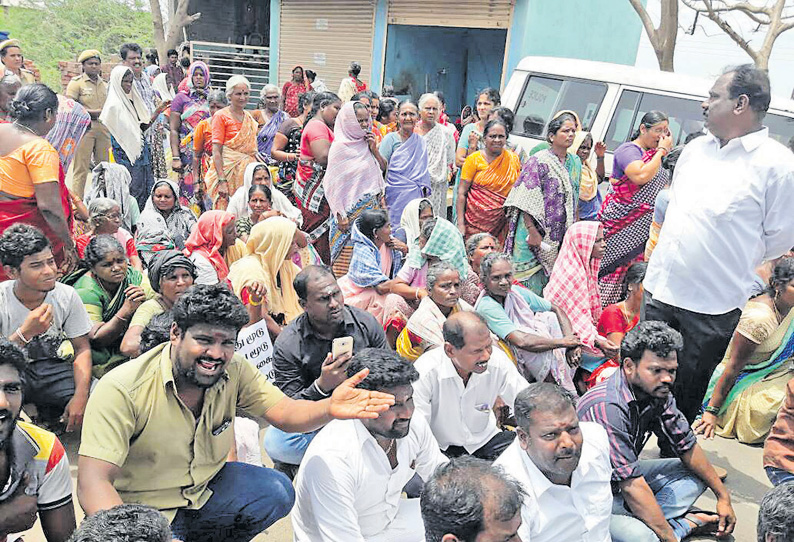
(230, 21)
(456, 61)
(608, 31)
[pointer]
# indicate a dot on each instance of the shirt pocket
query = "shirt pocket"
(478, 415)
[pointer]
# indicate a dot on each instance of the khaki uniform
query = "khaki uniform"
(26, 76)
(96, 141)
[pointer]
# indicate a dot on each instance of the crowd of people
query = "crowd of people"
(444, 307)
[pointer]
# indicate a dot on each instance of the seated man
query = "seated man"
(39, 314)
(779, 445)
(124, 523)
(471, 500)
(459, 384)
(653, 498)
(302, 362)
(349, 483)
(537, 332)
(34, 469)
(157, 429)
(564, 467)
(775, 520)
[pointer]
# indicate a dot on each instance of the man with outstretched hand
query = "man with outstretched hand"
(157, 429)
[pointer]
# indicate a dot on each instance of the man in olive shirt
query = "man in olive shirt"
(90, 91)
(157, 429)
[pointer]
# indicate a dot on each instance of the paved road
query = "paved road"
(746, 481)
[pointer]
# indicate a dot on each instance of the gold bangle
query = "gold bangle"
(254, 303)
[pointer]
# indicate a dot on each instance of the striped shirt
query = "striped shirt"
(629, 423)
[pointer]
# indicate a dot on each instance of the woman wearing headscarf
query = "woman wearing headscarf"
(573, 286)
(208, 246)
(486, 179)
(163, 87)
(263, 280)
(126, 116)
(627, 212)
(171, 273)
(405, 151)
(292, 89)
(164, 223)
(440, 150)
(188, 109)
(258, 173)
(589, 197)
(540, 208)
(202, 151)
(438, 240)
(353, 181)
(416, 212)
(315, 146)
(271, 118)
(373, 264)
(233, 143)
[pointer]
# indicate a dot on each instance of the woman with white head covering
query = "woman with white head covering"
(126, 117)
(233, 143)
(259, 173)
(162, 86)
(164, 223)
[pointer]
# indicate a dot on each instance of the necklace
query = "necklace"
(26, 128)
(388, 450)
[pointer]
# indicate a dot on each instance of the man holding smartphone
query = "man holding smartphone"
(312, 353)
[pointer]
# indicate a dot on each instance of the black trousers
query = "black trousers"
(488, 451)
(706, 337)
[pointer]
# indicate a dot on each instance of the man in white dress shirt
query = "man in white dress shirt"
(349, 483)
(471, 500)
(459, 384)
(731, 208)
(563, 465)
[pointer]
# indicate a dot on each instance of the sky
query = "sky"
(706, 52)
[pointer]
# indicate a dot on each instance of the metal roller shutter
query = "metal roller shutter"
(457, 13)
(326, 36)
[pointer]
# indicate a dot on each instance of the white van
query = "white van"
(611, 99)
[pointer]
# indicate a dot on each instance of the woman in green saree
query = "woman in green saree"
(111, 290)
(749, 386)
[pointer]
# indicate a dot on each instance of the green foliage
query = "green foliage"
(62, 29)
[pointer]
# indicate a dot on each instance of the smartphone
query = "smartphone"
(342, 346)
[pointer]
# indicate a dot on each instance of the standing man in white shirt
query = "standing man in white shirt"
(471, 500)
(563, 465)
(459, 384)
(349, 483)
(731, 208)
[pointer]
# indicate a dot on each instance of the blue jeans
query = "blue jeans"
(286, 447)
(778, 476)
(245, 501)
(676, 489)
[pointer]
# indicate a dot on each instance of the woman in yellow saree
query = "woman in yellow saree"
(485, 181)
(233, 143)
(749, 386)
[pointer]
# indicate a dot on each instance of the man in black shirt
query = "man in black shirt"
(302, 362)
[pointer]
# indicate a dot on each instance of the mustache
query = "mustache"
(209, 359)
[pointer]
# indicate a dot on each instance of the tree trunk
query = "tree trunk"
(159, 35)
(663, 39)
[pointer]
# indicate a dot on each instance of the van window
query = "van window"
(780, 127)
(685, 114)
(544, 96)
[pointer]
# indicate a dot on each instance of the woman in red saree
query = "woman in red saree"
(292, 90)
(32, 187)
(485, 182)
